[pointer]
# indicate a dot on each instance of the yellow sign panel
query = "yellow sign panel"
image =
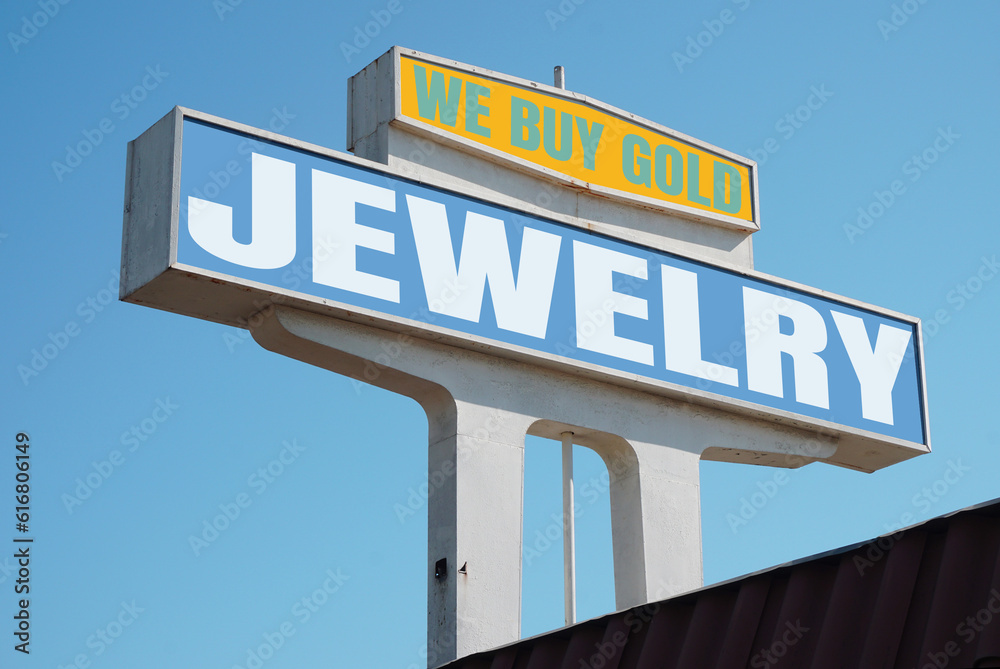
(574, 139)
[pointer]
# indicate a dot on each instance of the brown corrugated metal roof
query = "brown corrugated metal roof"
(928, 596)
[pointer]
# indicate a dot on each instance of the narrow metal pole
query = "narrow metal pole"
(569, 530)
(569, 521)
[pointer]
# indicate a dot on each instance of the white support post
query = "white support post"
(569, 530)
(569, 522)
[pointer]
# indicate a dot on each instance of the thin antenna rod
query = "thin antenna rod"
(569, 529)
(569, 521)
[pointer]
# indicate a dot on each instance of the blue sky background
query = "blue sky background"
(230, 406)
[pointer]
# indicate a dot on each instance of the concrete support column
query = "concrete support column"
(475, 526)
(655, 523)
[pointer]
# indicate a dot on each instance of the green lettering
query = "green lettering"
(693, 181)
(676, 184)
(735, 190)
(473, 110)
(524, 117)
(630, 160)
(565, 134)
(590, 138)
(432, 98)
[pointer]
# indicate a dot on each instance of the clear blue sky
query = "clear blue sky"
(211, 408)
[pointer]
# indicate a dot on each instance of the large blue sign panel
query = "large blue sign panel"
(328, 228)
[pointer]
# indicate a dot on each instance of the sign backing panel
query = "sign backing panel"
(568, 137)
(348, 238)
